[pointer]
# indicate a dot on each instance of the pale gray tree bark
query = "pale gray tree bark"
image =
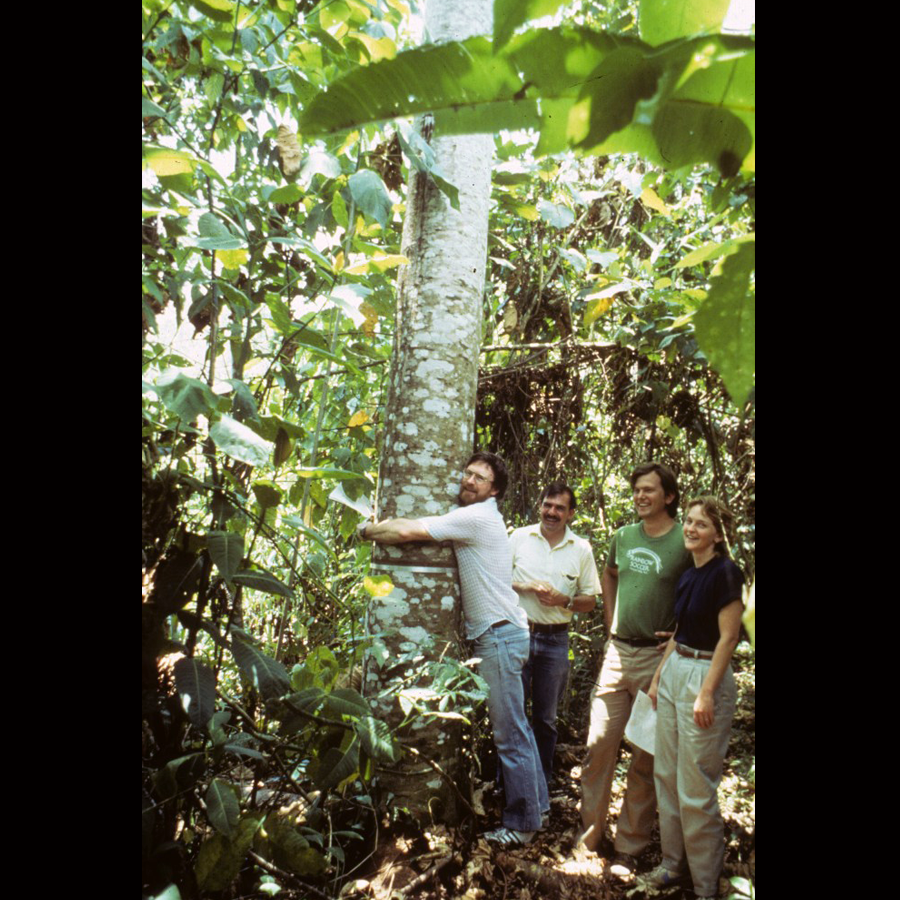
(429, 431)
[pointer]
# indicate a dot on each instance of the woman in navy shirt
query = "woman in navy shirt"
(694, 694)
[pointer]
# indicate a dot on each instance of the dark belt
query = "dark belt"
(690, 652)
(542, 628)
(637, 642)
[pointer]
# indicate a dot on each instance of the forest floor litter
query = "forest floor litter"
(442, 864)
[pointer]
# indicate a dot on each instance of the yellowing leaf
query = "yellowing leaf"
(382, 263)
(371, 321)
(378, 586)
(650, 198)
(359, 418)
(233, 259)
(378, 264)
(662, 283)
(377, 48)
(169, 162)
(682, 320)
(596, 308)
(350, 141)
(528, 212)
(338, 264)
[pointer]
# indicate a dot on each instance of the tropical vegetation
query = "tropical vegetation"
(618, 325)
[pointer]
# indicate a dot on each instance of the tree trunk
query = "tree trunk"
(429, 433)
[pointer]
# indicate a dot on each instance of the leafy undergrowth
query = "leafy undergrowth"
(440, 865)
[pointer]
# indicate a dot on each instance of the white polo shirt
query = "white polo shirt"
(485, 565)
(569, 567)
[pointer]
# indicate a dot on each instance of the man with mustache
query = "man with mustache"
(555, 575)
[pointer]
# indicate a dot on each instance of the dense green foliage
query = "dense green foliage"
(607, 277)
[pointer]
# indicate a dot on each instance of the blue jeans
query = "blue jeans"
(544, 680)
(503, 650)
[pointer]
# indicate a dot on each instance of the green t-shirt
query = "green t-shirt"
(649, 569)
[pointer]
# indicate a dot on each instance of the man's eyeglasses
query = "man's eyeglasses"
(479, 479)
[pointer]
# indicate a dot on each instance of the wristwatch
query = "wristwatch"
(568, 603)
(361, 530)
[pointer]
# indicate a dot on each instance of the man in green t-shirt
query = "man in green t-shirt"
(644, 563)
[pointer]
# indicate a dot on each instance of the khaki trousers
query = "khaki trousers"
(625, 671)
(688, 771)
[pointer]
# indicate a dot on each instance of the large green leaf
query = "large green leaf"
(726, 322)
(240, 442)
(711, 115)
(556, 214)
(332, 472)
(223, 807)
(195, 684)
(263, 581)
(338, 765)
(179, 775)
(267, 675)
(320, 668)
(689, 101)
(227, 552)
(219, 860)
(220, 10)
(377, 739)
(176, 580)
(419, 80)
(267, 494)
(307, 700)
(346, 702)
(244, 401)
(371, 195)
(294, 710)
(187, 397)
(665, 20)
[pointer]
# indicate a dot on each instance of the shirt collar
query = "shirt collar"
(568, 537)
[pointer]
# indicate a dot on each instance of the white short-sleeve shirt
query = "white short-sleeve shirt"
(481, 545)
(569, 567)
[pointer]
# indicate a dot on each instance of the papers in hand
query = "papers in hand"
(641, 727)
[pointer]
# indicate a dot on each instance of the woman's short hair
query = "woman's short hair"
(721, 517)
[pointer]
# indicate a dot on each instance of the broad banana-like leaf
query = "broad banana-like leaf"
(268, 675)
(689, 100)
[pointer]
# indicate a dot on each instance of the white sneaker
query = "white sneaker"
(508, 838)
